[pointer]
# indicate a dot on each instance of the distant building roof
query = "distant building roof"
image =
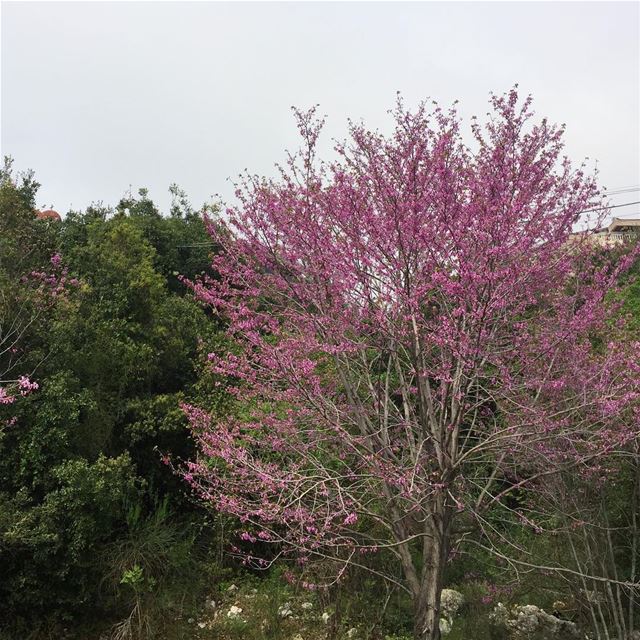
(48, 214)
(623, 224)
(617, 231)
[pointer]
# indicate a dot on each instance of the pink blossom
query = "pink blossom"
(26, 386)
(5, 398)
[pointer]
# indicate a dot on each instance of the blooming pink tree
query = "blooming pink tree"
(412, 324)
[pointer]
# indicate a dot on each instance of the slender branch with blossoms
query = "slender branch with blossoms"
(414, 325)
(21, 309)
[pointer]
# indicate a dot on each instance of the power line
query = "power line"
(625, 186)
(615, 192)
(196, 244)
(615, 206)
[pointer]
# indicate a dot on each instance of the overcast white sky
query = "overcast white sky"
(100, 96)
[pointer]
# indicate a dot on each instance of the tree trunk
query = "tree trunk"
(427, 603)
(427, 617)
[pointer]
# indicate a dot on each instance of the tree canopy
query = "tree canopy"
(415, 330)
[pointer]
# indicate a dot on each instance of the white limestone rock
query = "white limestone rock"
(234, 612)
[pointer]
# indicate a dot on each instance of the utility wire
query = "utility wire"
(615, 206)
(625, 186)
(615, 192)
(196, 244)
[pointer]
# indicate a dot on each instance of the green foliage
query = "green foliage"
(632, 296)
(49, 544)
(85, 524)
(152, 569)
(24, 240)
(180, 240)
(26, 245)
